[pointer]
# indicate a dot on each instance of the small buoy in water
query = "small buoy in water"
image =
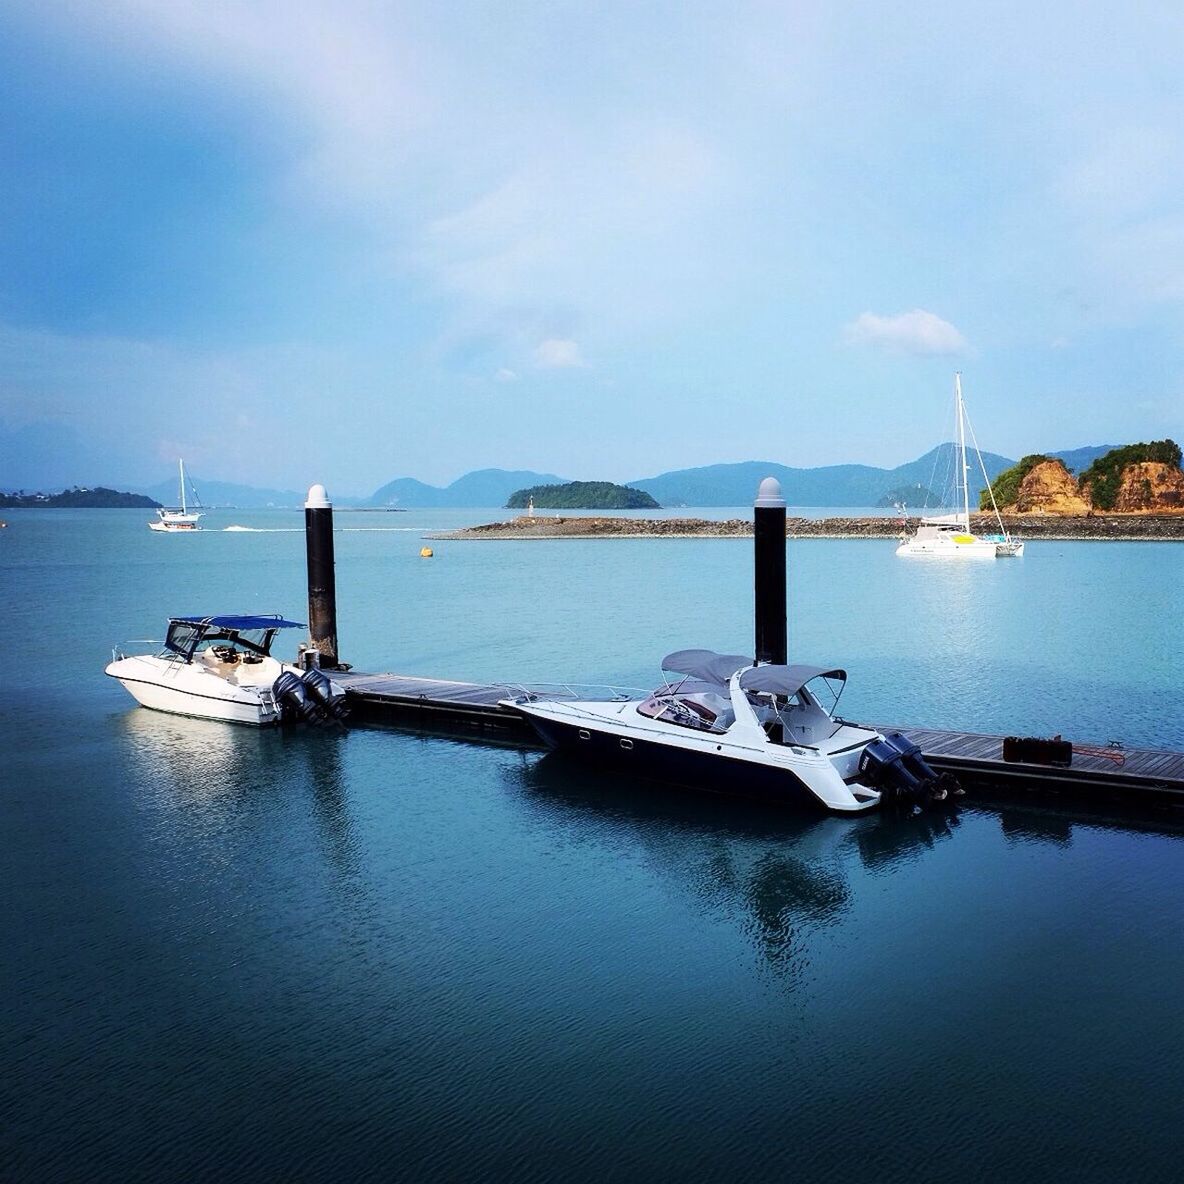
(425, 552)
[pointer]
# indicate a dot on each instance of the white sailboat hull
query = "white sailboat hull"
(174, 526)
(946, 548)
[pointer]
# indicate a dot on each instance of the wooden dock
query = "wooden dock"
(433, 702)
(1134, 776)
(1104, 772)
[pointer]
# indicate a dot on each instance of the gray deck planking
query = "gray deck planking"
(1138, 765)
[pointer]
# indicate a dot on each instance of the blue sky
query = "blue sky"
(300, 241)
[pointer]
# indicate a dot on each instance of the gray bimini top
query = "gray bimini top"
(705, 665)
(785, 680)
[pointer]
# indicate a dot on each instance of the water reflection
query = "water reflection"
(902, 836)
(782, 875)
(209, 774)
(319, 752)
(1034, 826)
(201, 767)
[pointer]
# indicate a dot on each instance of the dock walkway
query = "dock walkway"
(1152, 775)
(1146, 776)
(399, 698)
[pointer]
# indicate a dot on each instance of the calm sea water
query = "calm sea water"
(385, 956)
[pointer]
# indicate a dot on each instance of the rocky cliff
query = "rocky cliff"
(1126, 480)
(1048, 488)
(1150, 487)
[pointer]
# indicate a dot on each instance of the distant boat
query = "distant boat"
(950, 534)
(177, 521)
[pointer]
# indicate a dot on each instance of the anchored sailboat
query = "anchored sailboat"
(950, 534)
(177, 521)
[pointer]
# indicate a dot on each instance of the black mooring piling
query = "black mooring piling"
(322, 586)
(768, 537)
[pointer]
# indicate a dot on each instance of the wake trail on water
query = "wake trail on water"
(337, 530)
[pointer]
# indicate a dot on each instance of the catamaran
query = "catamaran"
(950, 534)
(183, 520)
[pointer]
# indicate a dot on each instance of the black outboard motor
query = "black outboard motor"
(896, 767)
(320, 690)
(291, 693)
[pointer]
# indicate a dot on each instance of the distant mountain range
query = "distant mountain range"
(485, 487)
(829, 485)
(711, 485)
(1077, 460)
(224, 493)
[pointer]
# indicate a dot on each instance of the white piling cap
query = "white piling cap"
(318, 499)
(768, 497)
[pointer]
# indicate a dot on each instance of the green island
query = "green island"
(581, 495)
(99, 498)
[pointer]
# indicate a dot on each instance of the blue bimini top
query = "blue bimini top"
(242, 623)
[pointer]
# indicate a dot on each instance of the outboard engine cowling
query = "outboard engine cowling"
(897, 768)
(321, 691)
(291, 693)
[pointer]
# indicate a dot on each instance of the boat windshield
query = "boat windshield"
(186, 638)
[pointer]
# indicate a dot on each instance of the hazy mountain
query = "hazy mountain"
(1077, 460)
(48, 457)
(225, 493)
(485, 487)
(831, 485)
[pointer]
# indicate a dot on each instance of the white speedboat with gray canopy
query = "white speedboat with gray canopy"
(723, 722)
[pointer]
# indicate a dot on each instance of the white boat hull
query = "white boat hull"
(190, 689)
(941, 548)
(175, 527)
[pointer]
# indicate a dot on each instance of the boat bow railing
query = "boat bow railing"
(574, 691)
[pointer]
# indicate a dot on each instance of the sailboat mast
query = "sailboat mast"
(181, 463)
(962, 449)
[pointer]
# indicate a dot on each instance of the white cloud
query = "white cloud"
(557, 353)
(916, 332)
(505, 374)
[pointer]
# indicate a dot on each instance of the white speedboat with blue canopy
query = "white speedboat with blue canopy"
(221, 667)
(725, 723)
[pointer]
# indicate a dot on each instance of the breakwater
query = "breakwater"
(1111, 528)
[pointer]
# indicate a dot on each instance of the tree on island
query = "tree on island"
(582, 495)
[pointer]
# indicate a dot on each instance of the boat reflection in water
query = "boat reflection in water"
(199, 774)
(781, 876)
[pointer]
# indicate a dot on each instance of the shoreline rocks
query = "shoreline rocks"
(1102, 527)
